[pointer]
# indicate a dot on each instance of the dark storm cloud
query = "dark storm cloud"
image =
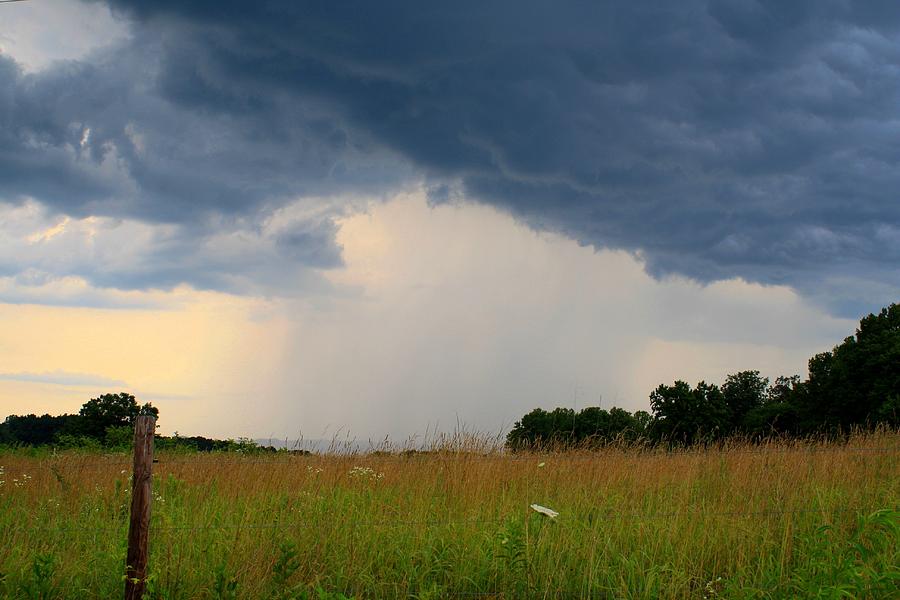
(717, 139)
(81, 136)
(109, 136)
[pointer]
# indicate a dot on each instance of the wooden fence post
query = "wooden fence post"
(139, 525)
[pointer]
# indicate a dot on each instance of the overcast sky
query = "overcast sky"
(274, 218)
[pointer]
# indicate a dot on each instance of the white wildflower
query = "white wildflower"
(548, 512)
(712, 588)
(365, 473)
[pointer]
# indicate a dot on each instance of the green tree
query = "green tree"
(33, 430)
(591, 425)
(642, 421)
(858, 382)
(783, 390)
(534, 427)
(685, 415)
(112, 410)
(743, 392)
(778, 414)
(622, 424)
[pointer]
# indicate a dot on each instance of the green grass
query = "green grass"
(807, 520)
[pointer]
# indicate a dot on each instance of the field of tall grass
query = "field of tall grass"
(780, 520)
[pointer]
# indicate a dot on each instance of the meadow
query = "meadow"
(777, 520)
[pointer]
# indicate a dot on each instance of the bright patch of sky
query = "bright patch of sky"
(37, 32)
(446, 313)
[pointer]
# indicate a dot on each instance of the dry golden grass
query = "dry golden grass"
(739, 521)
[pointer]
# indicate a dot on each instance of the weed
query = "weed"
(850, 567)
(286, 564)
(39, 586)
(224, 585)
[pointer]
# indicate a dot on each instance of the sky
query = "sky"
(382, 219)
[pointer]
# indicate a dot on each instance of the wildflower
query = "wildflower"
(548, 512)
(365, 473)
(712, 588)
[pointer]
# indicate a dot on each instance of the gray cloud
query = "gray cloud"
(747, 138)
(63, 378)
(48, 259)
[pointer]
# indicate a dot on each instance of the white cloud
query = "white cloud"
(39, 32)
(464, 314)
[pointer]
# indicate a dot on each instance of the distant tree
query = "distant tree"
(562, 423)
(783, 390)
(68, 441)
(591, 425)
(671, 405)
(530, 429)
(858, 382)
(119, 437)
(743, 392)
(596, 425)
(642, 421)
(685, 415)
(855, 384)
(771, 419)
(817, 402)
(622, 425)
(779, 412)
(33, 430)
(889, 411)
(592, 422)
(112, 410)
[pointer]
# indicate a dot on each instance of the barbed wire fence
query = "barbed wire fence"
(593, 518)
(287, 458)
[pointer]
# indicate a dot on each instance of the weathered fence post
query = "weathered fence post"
(139, 526)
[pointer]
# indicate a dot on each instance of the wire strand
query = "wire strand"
(294, 459)
(590, 519)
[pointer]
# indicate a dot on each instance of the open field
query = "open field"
(780, 520)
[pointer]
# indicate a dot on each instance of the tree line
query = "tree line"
(105, 422)
(856, 384)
